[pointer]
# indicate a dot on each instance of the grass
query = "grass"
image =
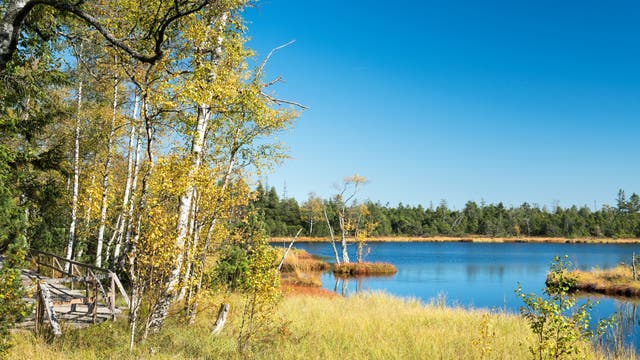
(480, 239)
(369, 326)
(364, 269)
(300, 260)
(615, 281)
(301, 274)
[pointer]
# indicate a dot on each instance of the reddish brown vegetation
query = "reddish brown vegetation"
(364, 269)
(297, 290)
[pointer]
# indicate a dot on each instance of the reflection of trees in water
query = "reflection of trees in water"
(493, 271)
(345, 286)
(621, 335)
(344, 289)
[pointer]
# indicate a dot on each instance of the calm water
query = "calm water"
(478, 275)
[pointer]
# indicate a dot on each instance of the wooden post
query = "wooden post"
(112, 296)
(95, 300)
(48, 306)
(121, 288)
(39, 309)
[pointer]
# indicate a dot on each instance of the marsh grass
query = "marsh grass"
(367, 326)
(615, 281)
(364, 269)
(301, 261)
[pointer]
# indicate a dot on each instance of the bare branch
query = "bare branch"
(266, 59)
(281, 101)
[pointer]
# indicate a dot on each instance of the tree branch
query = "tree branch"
(13, 20)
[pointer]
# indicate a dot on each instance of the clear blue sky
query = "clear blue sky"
(510, 101)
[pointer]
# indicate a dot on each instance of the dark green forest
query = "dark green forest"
(285, 216)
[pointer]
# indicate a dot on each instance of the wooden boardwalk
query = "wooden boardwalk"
(73, 295)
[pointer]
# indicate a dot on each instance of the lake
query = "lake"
(481, 275)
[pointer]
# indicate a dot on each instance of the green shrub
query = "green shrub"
(560, 325)
(232, 267)
(12, 306)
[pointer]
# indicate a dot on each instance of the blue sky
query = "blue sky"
(510, 101)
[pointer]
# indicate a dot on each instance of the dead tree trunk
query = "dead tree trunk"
(221, 320)
(333, 239)
(286, 252)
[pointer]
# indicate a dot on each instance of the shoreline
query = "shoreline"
(471, 238)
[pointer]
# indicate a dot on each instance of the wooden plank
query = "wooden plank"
(76, 279)
(57, 263)
(54, 268)
(70, 261)
(58, 303)
(51, 313)
(112, 297)
(95, 300)
(98, 286)
(121, 288)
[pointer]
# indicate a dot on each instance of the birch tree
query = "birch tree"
(344, 200)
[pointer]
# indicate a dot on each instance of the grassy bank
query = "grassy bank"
(615, 281)
(364, 269)
(477, 239)
(360, 327)
(300, 260)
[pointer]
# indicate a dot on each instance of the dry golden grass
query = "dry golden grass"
(300, 260)
(369, 326)
(299, 278)
(616, 281)
(480, 239)
(364, 269)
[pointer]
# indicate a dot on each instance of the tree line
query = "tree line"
(284, 216)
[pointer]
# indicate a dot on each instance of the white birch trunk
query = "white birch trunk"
(161, 308)
(128, 184)
(105, 176)
(345, 253)
(192, 310)
(184, 209)
(134, 189)
(136, 286)
(192, 247)
(76, 181)
(333, 239)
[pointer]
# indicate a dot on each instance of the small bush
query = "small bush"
(561, 327)
(364, 269)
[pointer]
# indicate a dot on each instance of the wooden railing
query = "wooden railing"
(61, 271)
